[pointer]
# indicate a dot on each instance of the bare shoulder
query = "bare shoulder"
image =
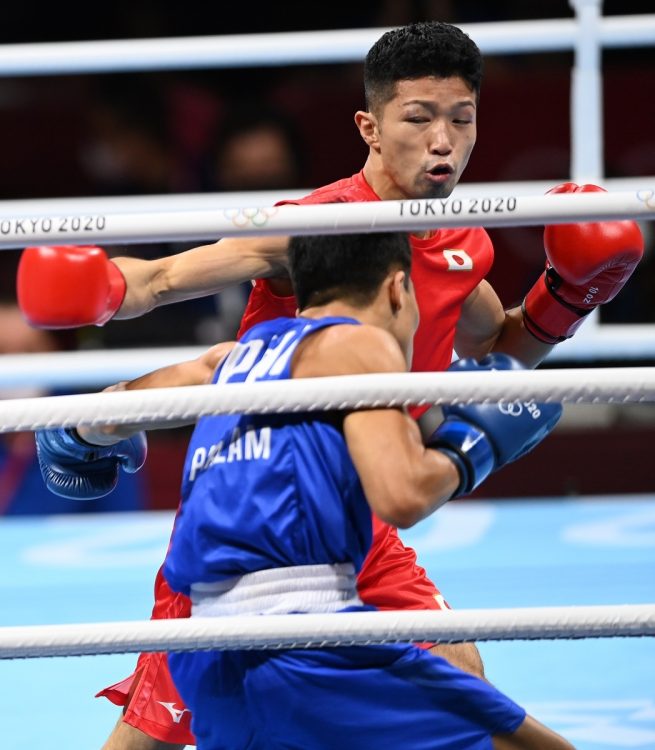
(213, 357)
(348, 350)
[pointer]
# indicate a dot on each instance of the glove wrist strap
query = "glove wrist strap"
(469, 448)
(547, 316)
(75, 436)
(69, 436)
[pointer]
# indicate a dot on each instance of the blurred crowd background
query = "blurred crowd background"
(286, 128)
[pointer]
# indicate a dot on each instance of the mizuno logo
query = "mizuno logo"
(176, 713)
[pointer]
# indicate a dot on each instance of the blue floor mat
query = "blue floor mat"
(600, 693)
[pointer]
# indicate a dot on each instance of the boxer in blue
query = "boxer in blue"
(276, 518)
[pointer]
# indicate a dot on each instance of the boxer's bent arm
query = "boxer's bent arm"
(402, 479)
(193, 372)
(484, 326)
(480, 323)
(517, 341)
(198, 272)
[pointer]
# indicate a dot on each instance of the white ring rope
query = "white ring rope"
(297, 48)
(161, 405)
(40, 207)
(320, 630)
(328, 218)
(94, 368)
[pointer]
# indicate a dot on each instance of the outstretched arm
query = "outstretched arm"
(68, 287)
(197, 371)
(198, 272)
(83, 463)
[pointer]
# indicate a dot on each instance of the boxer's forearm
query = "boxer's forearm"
(198, 272)
(193, 372)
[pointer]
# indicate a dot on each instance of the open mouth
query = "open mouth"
(441, 170)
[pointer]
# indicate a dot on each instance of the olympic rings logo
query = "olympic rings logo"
(647, 197)
(242, 217)
(510, 408)
(515, 408)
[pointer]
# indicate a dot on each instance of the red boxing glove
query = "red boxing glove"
(67, 287)
(587, 265)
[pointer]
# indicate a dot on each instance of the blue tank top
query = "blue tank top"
(267, 491)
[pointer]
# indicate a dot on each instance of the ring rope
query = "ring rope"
(319, 630)
(329, 218)
(37, 208)
(617, 385)
(297, 48)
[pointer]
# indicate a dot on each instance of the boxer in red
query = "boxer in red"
(422, 86)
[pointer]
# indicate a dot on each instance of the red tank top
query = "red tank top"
(446, 268)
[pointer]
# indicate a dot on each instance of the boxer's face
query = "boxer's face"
(422, 138)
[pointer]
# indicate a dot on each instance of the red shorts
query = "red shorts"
(389, 579)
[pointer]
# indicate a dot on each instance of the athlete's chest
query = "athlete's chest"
(447, 267)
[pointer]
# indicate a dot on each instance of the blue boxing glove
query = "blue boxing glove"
(481, 438)
(75, 469)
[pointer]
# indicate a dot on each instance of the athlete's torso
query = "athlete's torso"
(266, 491)
(446, 268)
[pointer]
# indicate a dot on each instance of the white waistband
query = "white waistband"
(300, 588)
